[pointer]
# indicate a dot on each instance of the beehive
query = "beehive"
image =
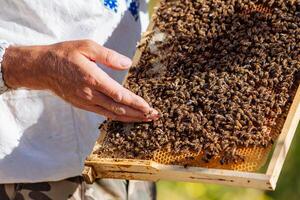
(188, 166)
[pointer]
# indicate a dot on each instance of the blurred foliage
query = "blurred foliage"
(195, 191)
(288, 186)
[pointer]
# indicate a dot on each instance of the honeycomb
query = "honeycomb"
(254, 157)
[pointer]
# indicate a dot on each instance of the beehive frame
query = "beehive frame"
(132, 169)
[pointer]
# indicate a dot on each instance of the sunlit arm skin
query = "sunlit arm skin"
(69, 70)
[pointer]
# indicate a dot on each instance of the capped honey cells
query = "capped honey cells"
(219, 72)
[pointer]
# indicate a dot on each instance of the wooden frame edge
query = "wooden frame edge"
(88, 174)
(150, 170)
(284, 140)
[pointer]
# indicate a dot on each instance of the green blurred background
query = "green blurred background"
(288, 186)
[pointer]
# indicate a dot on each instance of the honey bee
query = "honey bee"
(226, 70)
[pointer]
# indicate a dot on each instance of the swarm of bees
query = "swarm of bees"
(220, 72)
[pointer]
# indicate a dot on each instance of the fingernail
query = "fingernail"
(120, 111)
(148, 120)
(153, 114)
(125, 62)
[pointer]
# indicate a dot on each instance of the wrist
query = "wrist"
(19, 66)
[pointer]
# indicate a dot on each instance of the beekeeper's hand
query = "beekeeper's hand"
(69, 70)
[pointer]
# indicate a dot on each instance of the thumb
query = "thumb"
(110, 58)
